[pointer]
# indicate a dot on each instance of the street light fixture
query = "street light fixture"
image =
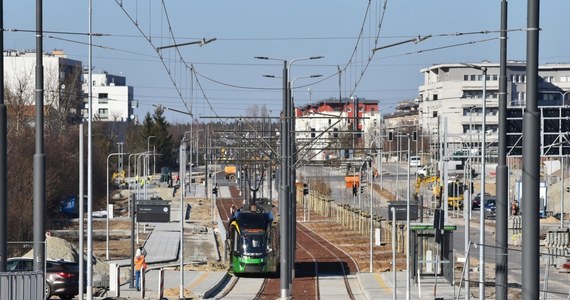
(201, 42)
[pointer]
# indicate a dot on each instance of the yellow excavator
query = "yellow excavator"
(119, 179)
(455, 190)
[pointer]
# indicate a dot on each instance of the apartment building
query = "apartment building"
(65, 87)
(334, 128)
(112, 97)
(451, 98)
(62, 80)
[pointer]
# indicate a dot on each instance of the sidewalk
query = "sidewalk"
(163, 247)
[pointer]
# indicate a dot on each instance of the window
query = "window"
(103, 98)
(549, 96)
(465, 77)
(435, 97)
(103, 111)
(473, 77)
(313, 132)
(495, 77)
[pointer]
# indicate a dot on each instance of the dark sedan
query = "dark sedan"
(476, 201)
(62, 277)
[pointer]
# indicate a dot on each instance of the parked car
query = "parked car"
(62, 277)
(558, 215)
(424, 171)
(415, 161)
(490, 207)
(476, 201)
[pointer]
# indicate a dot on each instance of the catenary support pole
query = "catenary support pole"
(3, 158)
(39, 156)
(531, 161)
(283, 193)
(89, 270)
(502, 183)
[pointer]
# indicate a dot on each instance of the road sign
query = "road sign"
(150, 211)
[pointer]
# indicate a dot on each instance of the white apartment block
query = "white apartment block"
(452, 97)
(112, 98)
(62, 79)
(330, 128)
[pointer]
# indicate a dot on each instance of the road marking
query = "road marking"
(382, 283)
(199, 280)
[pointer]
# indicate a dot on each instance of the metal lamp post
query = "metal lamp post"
(148, 150)
(107, 226)
(408, 285)
(183, 151)
(482, 210)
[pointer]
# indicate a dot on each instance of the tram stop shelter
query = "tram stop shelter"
(430, 258)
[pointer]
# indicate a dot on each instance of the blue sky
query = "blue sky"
(228, 80)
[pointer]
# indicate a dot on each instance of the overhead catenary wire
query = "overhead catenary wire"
(364, 63)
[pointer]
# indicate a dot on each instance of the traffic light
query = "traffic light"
(361, 189)
(414, 136)
(188, 209)
(568, 189)
(305, 189)
(390, 135)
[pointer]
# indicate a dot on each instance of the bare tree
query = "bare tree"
(19, 98)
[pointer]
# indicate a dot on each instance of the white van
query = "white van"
(415, 161)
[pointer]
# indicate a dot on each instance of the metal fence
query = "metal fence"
(21, 285)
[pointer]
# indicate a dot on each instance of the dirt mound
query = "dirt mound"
(60, 249)
(550, 220)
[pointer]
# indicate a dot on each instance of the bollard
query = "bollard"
(142, 283)
(161, 284)
(115, 279)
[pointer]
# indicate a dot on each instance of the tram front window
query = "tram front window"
(253, 244)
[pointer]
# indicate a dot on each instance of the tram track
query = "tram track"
(320, 267)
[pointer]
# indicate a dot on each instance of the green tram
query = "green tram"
(253, 241)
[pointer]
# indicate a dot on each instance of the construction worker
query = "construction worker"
(140, 265)
(215, 190)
